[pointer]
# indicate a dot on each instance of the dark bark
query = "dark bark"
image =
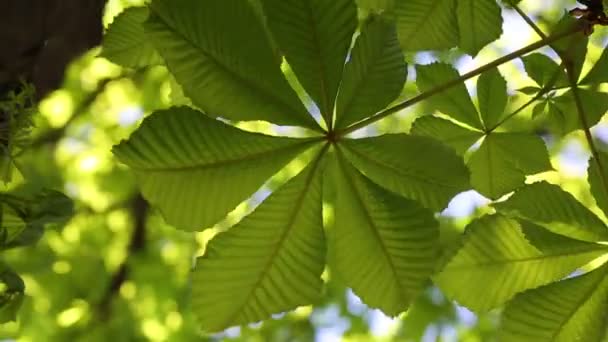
(38, 38)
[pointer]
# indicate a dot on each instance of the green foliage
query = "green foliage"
(442, 24)
(288, 193)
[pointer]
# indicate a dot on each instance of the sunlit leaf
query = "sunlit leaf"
(413, 166)
(315, 36)
(268, 263)
(492, 96)
(125, 42)
(497, 260)
(455, 101)
(427, 24)
(197, 169)
(570, 310)
(479, 23)
(594, 103)
(457, 137)
(542, 69)
(383, 246)
(598, 180)
(599, 71)
(220, 53)
(374, 75)
(553, 208)
(503, 161)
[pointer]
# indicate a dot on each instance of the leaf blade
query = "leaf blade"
(181, 157)
(374, 76)
(433, 17)
(496, 261)
(125, 42)
(315, 36)
(479, 23)
(237, 76)
(549, 206)
(384, 246)
(415, 167)
(268, 263)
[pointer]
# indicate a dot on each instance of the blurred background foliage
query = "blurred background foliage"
(116, 272)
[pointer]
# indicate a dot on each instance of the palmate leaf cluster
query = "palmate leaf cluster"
(360, 211)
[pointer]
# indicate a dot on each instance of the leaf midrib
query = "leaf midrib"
(375, 230)
(227, 162)
(541, 257)
(400, 172)
(287, 231)
(275, 100)
(583, 300)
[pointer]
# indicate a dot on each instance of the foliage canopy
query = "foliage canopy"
(341, 201)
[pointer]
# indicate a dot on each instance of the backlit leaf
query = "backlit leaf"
(553, 208)
(197, 169)
(374, 75)
(497, 261)
(268, 263)
(220, 53)
(383, 246)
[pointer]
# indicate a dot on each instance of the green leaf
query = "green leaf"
(595, 105)
(503, 161)
(315, 36)
(11, 294)
(599, 71)
(268, 263)
(220, 53)
(197, 169)
(383, 246)
(598, 180)
(541, 68)
(374, 75)
(125, 42)
(24, 216)
(570, 310)
(479, 23)
(427, 24)
(496, 261)
(457, 137)
(492, 97)
(455, 101)
(415, 167)
(551, 207)
(573, 47)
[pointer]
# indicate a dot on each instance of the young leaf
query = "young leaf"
(541, 68)
(594, 103)
(220, 53)
(454, 102)
(457, 137)
(427, 24)
(570, 310)
(503, 160)
(268, 263)
(492, 97)
(415, 167)
(597, 175)
(374, 75)
(573, 47)
(197, 169)
(384, 246)
(315, 36)
(479, 23)
(496, 261)
(599, 71)
(551, 207)
(125, 42)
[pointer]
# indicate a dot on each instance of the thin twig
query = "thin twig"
(445, 86)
